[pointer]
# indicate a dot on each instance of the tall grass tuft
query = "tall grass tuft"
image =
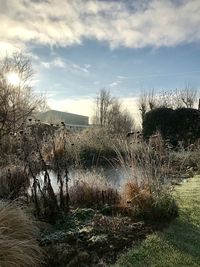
(18, 238)
(148, 205)
(91, 147)
(147, 163)
(14, 182)
(149, 170)
(90, 189)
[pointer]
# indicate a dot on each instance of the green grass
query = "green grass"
(179, 244)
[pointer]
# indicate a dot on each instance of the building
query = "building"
(73, 122)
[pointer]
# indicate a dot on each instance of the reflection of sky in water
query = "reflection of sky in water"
(114, 176)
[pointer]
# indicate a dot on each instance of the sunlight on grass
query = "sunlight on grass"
(177, 246)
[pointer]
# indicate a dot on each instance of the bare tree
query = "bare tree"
(147, 101)
(152, 100)
(167, 99)
(17, 99)
(104, 102)
(188, 96)
(142, 104)
(20, 65)
(119, 120)
(110, 114)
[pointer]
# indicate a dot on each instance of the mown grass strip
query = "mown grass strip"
(179, 244)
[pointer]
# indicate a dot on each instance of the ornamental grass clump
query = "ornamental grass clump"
(18, 238)
(14, 182)
(147, 189)
(91, 190)
(147, 205)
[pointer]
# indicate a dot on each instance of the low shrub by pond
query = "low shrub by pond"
(91, 190)
(149, 206)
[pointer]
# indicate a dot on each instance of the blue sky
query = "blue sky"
(78, 47)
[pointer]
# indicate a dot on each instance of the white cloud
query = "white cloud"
(58, 62)
(118, 81)
(121, 77)
(46, 65)
(113, 84)
(119, 23)
(87, 66)
(8, 48)
(78, 68)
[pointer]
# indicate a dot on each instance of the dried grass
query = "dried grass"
(18, 238)
(90, 189)
(14, 181)
(137, 196)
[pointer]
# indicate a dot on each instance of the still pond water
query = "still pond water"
(112, 176)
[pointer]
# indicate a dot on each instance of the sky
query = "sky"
(78, 47)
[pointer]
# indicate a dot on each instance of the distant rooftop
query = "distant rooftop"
(55, 116)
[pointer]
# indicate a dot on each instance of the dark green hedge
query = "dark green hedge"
(182, 124)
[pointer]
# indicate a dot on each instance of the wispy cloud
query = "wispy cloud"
(58, 62)
(121, 77)
(119, 80)
(113, 84)
(55, 63)
(120, 23)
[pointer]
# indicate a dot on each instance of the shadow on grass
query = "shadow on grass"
(184, 237)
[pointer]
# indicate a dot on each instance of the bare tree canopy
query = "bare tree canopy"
(110, 114)
(103, 103)
(186, 97)
(17, 99)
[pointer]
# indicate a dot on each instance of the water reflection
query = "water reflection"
(113, 176)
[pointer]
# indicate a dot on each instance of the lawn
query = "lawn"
(179, 244)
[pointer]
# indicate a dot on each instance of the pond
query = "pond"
(114, 177)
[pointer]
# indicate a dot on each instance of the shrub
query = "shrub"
(148, 205)
(138, 196)
(158, 119)
(185, 125)
(164, 208)
(182, 124)
(18, 238)
(14, 181)
(91, 190)
(88, 148)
